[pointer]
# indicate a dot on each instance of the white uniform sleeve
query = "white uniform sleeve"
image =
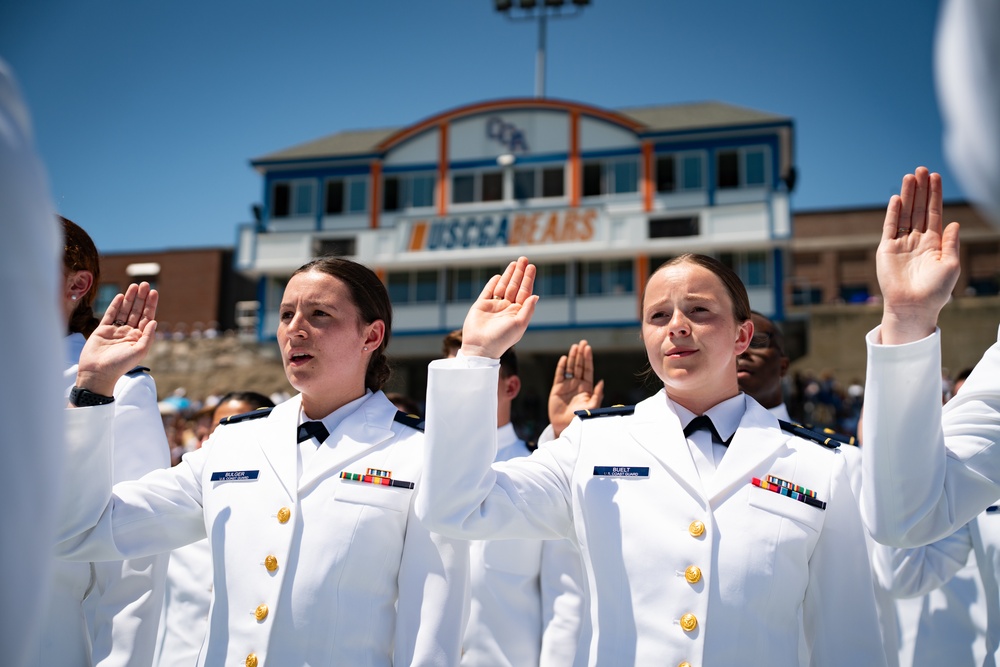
(910, 573)
(463, 495)
(155, 514)
(31, 412)
(928, 470)
(124, 610)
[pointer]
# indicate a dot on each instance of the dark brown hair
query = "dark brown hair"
(80, 254)
(734, 286)
(369, 296)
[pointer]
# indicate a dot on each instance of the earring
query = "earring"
(366, 348)
(72, 297)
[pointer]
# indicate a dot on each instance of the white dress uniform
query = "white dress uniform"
(928, 469)
(365, 584)
(186, 605)
(680, 571)
(106, 614)
(32, 415)
(512, 621)
(949, 595)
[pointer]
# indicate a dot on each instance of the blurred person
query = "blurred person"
(647, 499)
(106, 614)
(762, 366)
(404, 404)
(188, 598)
(32, 416)
(525, 593)
(317, 554)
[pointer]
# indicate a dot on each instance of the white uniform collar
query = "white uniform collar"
(781, 412)
(726, 416)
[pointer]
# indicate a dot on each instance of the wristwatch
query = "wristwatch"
(83, 398)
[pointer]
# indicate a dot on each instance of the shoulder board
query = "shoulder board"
(138, 370)
(827, 441)
(246, 416)
(413, 421)
(613, 411)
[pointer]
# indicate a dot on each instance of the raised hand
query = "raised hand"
(121, 340)
(500, 316)
(573, 386)
(917, 261)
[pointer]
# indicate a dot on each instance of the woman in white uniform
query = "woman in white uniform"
(318, 557)
(695, 553)
(106, 614)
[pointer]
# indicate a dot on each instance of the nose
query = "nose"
(679, 325)
(296, 325)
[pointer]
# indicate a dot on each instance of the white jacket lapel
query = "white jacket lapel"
(277, 441)
(366, 427)
(756, 440)
(658, 429)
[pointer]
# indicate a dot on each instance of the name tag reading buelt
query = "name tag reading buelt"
(235, 476)
(620, 471)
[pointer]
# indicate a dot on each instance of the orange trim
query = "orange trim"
(376, 181)
(641, 278)
(502, 104)
(417, 235)
(647, 176)
(442, 189)
(575, 173)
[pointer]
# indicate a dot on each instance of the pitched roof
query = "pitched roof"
(660, 118)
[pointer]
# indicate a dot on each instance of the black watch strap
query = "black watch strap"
(83, 398)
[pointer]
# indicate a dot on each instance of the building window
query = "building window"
(806, 295)
(464, 285)
(606, 278)
(742, 168)
(334, 247)
(666, 180)
(694, 172)
(334, 197)
(854, 293)
(545, 182)
(752, 267)
(346, 195)
(413, 287)
(551, 280)
(661, 228)
(296, 198)
(105, 293)
(406, 191)
(476, 187)
(618, 176)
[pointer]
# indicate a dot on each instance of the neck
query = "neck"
(702, 404)
(771, 399)
(319, 407)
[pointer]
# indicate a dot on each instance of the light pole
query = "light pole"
(531, 10)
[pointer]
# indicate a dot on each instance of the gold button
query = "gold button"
(684, 664)
(284, 514)
(692, 574)
(271, 563)
(261, 612)
(697, 528)
(689, 622)
(251, 660)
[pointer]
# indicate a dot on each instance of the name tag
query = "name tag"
(620, 471)
(235, 476)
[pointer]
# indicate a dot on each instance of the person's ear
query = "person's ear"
(79, 284)
(511, 386)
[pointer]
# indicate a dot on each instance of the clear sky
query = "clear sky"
(147, 112)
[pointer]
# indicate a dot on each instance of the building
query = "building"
(199, 290)
(596, 198)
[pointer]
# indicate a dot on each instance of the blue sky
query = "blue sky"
(147, 112)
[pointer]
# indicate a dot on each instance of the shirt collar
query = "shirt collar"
(726, 416)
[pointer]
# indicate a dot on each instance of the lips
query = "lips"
(299, 358)
(680, 352)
